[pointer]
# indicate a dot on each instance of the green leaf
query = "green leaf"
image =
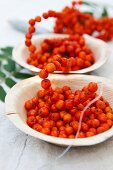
(88, 12)
(10, 66)
(10, 82)
(3, 57)
(2, 75)
(22, 75)
(104, 12)
(7, 51)
(2, 94)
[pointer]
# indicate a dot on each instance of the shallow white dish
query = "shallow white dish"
(26, 89)
(100, 50)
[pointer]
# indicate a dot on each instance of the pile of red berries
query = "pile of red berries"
(68, 54)
(72, 52)
(56, 112)
(72, 21)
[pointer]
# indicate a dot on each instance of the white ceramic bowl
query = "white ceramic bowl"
(26, 89)
(99, 48)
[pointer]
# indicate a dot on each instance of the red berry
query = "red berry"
(92, 130)
(59, 123)
(69, 104)
(50, 67)
(46, 131)
(47, 124)
(69, 130)
(32, 22)
(28, 35)
(55, 133)
(102, 118)
(92, 87)
(43, 74)
(89, 134)
(32, 48)
(41, 93)
(84, 127)
(45, 84)
(100, 104)
(95, 123)
(100, 129)
(67, 118)
(37, 127)
(43, 112)
(60, 105)
(31, 120)
(28, 42)
(81, 135)
(38, 19)
(31, 29)
(32, 112)
(55, 116)
(28, 104)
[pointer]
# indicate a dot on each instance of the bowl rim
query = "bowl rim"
(17, 121)
(17, 52)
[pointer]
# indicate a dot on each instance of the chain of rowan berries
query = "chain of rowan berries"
(31, 29)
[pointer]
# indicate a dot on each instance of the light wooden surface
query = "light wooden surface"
(21, 152)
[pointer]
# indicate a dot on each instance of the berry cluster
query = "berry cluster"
(68, 54)
(56, 112)
(72, 21)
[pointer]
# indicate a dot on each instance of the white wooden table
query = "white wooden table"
(19, 151)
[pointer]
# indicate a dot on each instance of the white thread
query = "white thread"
(79, 127)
